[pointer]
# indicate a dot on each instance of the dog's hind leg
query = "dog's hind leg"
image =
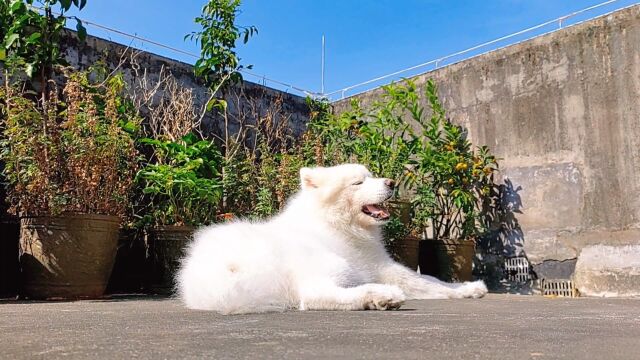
(364, 297)
(417, 286)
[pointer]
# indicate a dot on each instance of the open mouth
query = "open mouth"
(376, 211)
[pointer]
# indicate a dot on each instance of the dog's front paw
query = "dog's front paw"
(382, 297)
(475, 289)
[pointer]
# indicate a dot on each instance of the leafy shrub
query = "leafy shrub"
(217, 40)
(447, 181)
(453, 179)
(182, 183)
(276, 179)
(379, 137)
(30, 40)
(263, 173)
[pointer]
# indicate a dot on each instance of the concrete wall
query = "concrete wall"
(563, 112)
(84, 54)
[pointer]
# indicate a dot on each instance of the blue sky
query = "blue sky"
(364, 39)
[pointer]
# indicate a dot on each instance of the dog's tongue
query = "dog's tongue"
(377, 211)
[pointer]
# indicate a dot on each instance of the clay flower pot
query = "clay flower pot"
(449, 260)
(166, 247)
(405, 251)
(67, 257)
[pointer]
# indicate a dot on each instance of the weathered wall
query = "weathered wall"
(563, 111)
(84, 54)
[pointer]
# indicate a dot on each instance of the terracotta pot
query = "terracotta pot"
(166, 248)
(447, 259)
(405, 251)
(9, 268)
(68, 257)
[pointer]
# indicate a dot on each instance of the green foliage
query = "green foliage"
(218, 59)
(277, 178)
(395, 229)
(262, 159)
(453, 179)
(331, 136)
(72, 154)
(218, 67)
(386, 140)
(237, 182)
(182, 182)
(262, 178)
(446, 180)
(378, 137)
(265, 204)
(31, 38)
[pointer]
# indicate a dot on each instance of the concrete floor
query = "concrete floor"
(496, 327)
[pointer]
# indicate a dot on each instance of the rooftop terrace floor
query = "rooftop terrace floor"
(498, 326)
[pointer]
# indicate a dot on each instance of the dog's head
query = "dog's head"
(348, 191)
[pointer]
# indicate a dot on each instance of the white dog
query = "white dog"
(323, 252)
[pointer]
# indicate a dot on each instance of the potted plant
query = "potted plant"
(183, 190)
(452, 181)
(188, 181)
(382, 139)
(443, 181)
(69, 164)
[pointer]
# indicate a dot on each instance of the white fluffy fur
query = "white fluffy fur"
(321, 253)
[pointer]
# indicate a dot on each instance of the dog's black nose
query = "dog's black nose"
(390, 183)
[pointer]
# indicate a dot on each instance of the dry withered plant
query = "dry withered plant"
(75, 156)
(167, 106)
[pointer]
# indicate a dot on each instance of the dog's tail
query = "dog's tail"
(235, 293)
(231, 269)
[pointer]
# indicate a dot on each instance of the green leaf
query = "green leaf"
(29, 69)
(149, 141)
(66, 4)
(16, 5)
(190, 138)
(8, 42)
(129, 127)
(82, 31)
(80, 4)
(3, 54)
(216, 103)
(33, 38)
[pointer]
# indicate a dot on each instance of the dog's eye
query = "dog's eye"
(358, 183)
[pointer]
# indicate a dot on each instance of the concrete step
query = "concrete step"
(608, 271)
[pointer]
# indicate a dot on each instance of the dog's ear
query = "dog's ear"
(308, 179)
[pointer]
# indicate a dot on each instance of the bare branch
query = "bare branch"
(167, 105)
